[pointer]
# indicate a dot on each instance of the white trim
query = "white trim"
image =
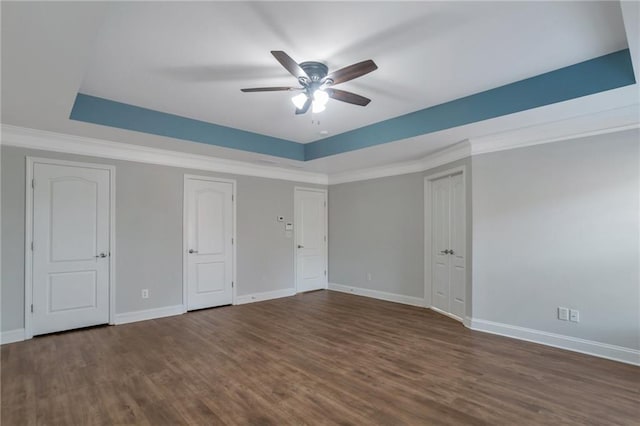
(185, 243)
(12, 336)
(510, 140)
(446, 314)
(453, 153)
(376, 294)
(266, 295)
(428, 285)
(28, 223)
(589, 347)
(57, 142)
(296, 222)
(148, 314)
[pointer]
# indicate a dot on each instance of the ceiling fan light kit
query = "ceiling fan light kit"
(316, 83)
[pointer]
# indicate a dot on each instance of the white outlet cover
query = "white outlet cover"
(574, 315)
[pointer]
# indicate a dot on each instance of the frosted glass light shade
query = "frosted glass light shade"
(299, 100)
(321, 97)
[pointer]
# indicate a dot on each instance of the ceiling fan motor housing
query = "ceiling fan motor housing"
(315, 70)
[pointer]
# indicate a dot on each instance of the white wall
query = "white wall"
(558, 225)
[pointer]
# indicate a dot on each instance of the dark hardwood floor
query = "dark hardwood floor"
(316, 358)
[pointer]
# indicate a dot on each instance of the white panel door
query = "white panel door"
(71, 255)
(311, 239)
(448, 244)
(440, 243)
(209, 227)
(457, 247)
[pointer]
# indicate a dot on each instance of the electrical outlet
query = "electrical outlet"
(574, 315)
(368, 276)
(145, 293)
(563, 313)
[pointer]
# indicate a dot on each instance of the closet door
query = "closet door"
(448, 245)
(457, 247)
(440, 239)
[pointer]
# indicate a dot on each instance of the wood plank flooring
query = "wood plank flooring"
(317, 358)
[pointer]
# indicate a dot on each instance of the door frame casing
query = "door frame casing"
(296, 221)
(28, 234)
(185, 235)
(428, 223)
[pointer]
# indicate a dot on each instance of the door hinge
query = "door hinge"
(33, 183)
(233, 197)
(232, 241)
(31, 245)
(32, 308)
(231, 284)
(325, 204)
(325, 272)
(325, 238)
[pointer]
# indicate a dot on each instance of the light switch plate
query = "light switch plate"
(563, 313)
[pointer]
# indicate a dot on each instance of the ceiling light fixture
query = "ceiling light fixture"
(299, 100)
(319, 97)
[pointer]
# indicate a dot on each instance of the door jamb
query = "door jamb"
(428, 183)
(296, 222)
(185, 234)
(28, 234)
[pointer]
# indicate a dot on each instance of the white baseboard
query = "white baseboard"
(148, 314)
(267, 295)
(376, 294)
(589, 347)
(12, 336)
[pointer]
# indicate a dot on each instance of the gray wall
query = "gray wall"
(557, 225)
(377, 226)
(149, 233)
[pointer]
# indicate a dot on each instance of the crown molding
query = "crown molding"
(455, 152)
(611, 121)
(49, 141)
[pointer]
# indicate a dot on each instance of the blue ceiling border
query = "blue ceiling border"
(93, 109)
(585, 78)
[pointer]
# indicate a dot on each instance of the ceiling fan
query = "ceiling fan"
(317, 83)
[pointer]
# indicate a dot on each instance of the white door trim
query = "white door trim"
(428, 183)
(185, 234)
(28, 234)
(295, 229)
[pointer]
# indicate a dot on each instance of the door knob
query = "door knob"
(102, 255)
(192, 251)
(299, 246)
(444, 251)
(450, 251)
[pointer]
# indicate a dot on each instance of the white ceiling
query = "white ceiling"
(191, 59)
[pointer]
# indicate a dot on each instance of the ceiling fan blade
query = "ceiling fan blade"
(352, 71)
(348, 97)
(304, 108)
(269, 89)
(290, 65)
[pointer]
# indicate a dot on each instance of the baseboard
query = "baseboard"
(376, 294)
(266, 295)
(149, 314)
(12, 336)
(589, 347)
